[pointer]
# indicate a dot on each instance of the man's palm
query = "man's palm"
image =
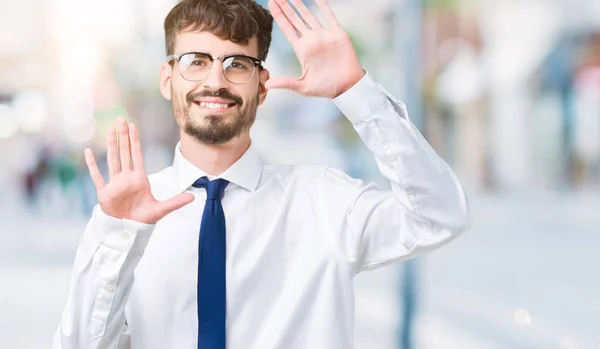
(128, 194)
(330, 65)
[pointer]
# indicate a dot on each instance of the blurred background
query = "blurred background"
(507, 92)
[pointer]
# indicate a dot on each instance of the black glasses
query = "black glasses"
(195, 66)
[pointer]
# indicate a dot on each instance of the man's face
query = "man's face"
(215, 110)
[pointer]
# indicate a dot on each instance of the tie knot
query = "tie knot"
(214, 189)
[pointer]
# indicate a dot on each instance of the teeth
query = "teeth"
(213, 105)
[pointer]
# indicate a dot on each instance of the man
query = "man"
(220, 251)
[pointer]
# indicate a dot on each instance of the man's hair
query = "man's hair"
(234, 20)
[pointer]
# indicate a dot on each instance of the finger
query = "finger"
(284, 82)
(90, 160)
(136, 148)
(282, 21)
(111, 152)
(307, 16)
(292, 16)
(124, 148)
(327, 12)
(174, 203)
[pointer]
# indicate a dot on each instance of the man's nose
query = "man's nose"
(216, 78)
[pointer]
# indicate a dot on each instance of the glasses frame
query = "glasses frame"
(177, 57)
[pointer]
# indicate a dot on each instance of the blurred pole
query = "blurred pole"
(408, 24)
(409, 299)
(408, 42)
(563, 67)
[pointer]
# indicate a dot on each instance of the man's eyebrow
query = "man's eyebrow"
(237, 54)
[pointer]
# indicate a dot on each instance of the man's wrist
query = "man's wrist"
(355, 78)
(361, 100)
(121, 234)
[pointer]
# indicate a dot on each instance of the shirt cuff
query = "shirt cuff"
(122, 234)
(361, 100)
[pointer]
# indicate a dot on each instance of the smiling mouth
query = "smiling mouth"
(214, 106)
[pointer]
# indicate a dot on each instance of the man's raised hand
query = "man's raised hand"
(127, 193)
(330, 65)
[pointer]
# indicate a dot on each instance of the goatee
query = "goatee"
(217, 129)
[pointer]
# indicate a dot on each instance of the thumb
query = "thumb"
(284, 82)
(172, 204)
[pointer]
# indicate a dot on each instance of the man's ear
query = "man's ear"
(166, 74)
(262, 90)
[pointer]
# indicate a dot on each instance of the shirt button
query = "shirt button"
(125, 235)
(109, 288)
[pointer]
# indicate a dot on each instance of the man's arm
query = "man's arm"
(101, 280)
(426, 207)
(112, 245)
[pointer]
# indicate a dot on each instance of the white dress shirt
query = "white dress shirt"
(296, 237)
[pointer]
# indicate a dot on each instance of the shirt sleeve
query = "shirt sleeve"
(426, 206)
(101, 281)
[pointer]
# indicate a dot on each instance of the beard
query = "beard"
(216, 129)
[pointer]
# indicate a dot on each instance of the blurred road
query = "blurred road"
(534, 252)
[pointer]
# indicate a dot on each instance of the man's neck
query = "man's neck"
(213, 159)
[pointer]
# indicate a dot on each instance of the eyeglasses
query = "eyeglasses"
(195, 66)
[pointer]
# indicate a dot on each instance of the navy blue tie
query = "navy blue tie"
(211, 267)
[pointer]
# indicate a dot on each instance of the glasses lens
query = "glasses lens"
(238, 69)
(195, 66)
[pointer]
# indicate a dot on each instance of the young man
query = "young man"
(220, 251)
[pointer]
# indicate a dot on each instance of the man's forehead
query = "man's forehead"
(208, 42)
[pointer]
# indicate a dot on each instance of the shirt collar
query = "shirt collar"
(245, 172)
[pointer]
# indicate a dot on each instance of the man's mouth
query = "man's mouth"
(215, 106)
(211, 105)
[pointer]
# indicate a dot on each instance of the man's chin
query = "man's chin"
(207, 134)
(207, 119)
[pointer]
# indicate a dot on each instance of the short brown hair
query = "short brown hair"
(234, 20)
